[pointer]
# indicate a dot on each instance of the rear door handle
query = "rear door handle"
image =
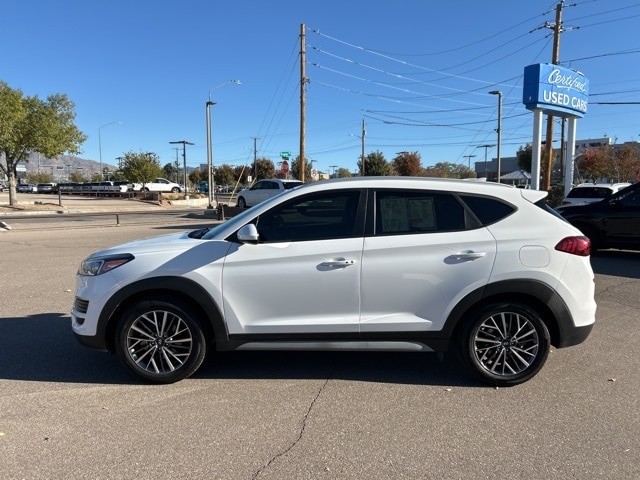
(469, 254)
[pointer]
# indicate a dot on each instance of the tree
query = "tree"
(264, 168)
(224, 175)
(197, 176)
(407, 164)
(30, 125)
(295, 169)
(376, 165)
(172, 172)
(40, 177)
(525, 157)
(343, 173)
(241, 173)
(141, 167)
(449, 170)
(77, 177)
(616, 164)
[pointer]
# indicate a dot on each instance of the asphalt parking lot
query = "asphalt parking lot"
(69, 412)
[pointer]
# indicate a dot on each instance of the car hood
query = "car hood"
(172, 242)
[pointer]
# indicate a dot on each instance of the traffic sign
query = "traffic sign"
(285, 154)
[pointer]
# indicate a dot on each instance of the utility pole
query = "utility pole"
(176, 177)
(364, 133)
(486, 146)
(548, 164)
(255, 157)
(303, 98)
(469, 157)
(184, 159)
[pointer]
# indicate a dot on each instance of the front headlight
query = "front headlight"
(99, 265)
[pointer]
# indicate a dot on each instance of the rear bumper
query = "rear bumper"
(574, 335)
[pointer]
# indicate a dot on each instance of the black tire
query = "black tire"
(242, 203)
(175, 190)
(505, 344)
(145, 190)
(161, 341)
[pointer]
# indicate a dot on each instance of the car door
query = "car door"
(257, 193)
(419, 261)
(622, 219)
(303, 275)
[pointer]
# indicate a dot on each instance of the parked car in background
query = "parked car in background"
(610, 223)
(381, 263)
(124, 186)
(592, 192)
(158, 185)
(47, 188)
(264, 189)
(26, 188)
(4, 188)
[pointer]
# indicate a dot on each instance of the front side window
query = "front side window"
(417, 212)
(318, 216)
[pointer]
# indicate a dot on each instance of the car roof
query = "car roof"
(613, 186)
(472, 185)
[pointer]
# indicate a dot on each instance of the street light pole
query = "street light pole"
(499, 129)
(210, 177)
(100, 144)
(184, 160)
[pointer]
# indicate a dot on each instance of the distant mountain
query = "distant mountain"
(63, 165)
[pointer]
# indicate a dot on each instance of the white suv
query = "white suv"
(264, 189)
(592, 192)
(388, 263)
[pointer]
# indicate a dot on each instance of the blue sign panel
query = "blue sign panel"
(555, 90)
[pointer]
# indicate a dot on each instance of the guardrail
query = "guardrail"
(26, 217)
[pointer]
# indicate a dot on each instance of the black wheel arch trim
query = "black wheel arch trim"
(554, 311)
(182, 287)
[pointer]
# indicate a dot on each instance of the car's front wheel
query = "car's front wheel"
(242, 203)
(175, 190)
(161, 340)
(506, 344)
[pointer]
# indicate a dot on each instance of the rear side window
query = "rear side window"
(488, 210)
(417, 212)
(590, 192)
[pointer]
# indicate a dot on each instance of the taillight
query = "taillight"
(580, 246)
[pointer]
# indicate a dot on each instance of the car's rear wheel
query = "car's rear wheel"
(161, 341)
(505, 344)
(242, 203)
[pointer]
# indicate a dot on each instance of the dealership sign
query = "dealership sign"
(555, 90)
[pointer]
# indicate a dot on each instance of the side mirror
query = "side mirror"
(248, 234)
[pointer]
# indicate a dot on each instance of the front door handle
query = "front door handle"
(338, 262)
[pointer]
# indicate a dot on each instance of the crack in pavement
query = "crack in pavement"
(300, 434)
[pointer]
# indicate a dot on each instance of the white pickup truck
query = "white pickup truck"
(158, 185)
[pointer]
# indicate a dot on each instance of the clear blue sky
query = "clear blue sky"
(418, 72)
